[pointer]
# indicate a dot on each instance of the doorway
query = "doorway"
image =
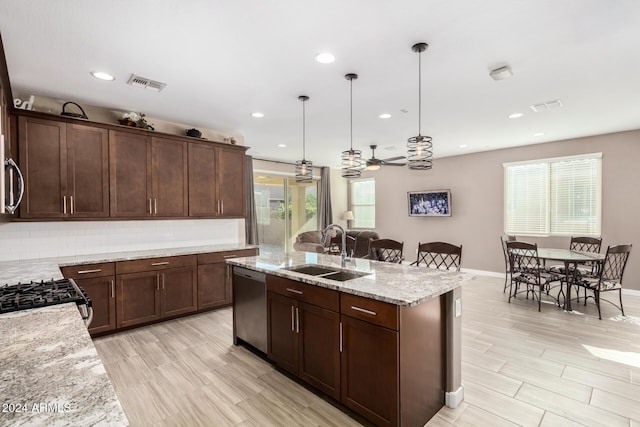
(284, 209)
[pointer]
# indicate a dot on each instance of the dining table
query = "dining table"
(570, 259)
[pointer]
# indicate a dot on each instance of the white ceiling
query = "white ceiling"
(223, 60)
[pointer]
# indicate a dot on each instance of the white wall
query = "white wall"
(29, 240)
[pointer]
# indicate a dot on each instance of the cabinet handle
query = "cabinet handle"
(229, 256)
(150, 211)
(217, 206)
(160, 263)
(295, 291)
(97, 270)
(71, 203)
(64, 205)
(340, 337)
(164, 278)
(155, 206)
(292, 319)
(362, 310)
(113, 289)
(157, 282)
(297, 321)
(221, 206)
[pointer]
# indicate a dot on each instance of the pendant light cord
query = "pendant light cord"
(351, 120)
(303, 132)
(419, 93)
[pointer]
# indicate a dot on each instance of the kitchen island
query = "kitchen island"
(385, 342)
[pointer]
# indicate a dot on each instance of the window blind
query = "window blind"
(560, 196)
(363, 203)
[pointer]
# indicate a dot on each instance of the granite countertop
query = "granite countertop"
(51, 372)
(12, 272)
(393, 283)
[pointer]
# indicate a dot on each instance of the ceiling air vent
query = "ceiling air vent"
(145, 83)
(549, 105)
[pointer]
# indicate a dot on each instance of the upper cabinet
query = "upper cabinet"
(80, 171)
(65, 169)
(148, 176)
(216, 181)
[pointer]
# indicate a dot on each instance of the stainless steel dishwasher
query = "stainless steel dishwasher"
(250, 307)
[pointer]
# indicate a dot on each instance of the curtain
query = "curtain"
(324, 198)
(251, 220)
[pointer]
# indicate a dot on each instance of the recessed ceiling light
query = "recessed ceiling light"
(515, 115)
(385, 116)
(102, 76)
(257, 115)
(538, 134)
(282, 145)
(463, 146)
(325, 58)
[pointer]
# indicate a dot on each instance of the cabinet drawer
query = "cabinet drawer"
(152, 264)
(322, 297)
(214, 257)
(87, 271)
(377, 312)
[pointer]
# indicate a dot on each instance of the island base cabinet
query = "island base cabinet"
(281, 331)
(369, 363)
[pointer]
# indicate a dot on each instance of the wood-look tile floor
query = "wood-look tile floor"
(519, 367)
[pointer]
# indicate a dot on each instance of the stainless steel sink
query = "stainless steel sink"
(328, 273)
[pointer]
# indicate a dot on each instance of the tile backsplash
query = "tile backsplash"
(30, 240)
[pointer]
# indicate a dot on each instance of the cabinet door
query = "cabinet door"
(169, 177)
(231, 185)
(138, 298)
(43, 161)
(88, 173)
(129, 175)
(214, 288)
(203, 200)
(101, 290)
(282, 337)
(369, 364)
(319, 358)
(179, 291)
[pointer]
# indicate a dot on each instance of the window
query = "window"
(362, 201)
(558, 197)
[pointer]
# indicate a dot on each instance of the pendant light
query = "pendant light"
(419, 148)
(304, 168)
(352, 162)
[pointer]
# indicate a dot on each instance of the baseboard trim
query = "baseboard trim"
(482, 272)
(633, 292)
(453, 398)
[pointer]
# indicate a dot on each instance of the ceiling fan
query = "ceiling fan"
(375, 164)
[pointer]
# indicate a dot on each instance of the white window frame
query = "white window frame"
(351, 204)
(551, 227)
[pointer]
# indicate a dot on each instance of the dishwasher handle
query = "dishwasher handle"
(249, 274)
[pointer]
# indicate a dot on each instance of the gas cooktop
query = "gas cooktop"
(41, 294)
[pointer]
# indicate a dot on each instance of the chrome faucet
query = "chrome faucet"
(343, 252)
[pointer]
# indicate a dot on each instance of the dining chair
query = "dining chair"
(507, 267)
(335, 245)
(608, 276)
(582, 244)
(527, 270)
(385, 250)
(440, 255)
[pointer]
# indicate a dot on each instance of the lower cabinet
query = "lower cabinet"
(303, 338)
(98, 281)
(151, 289)
(383, 361)
(214, 278)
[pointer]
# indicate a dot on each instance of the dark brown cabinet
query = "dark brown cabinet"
(216, 181)
(303, 332)
(148, 176)
(98, 281)
(214, 278)
(65, 169)
(150, 289)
